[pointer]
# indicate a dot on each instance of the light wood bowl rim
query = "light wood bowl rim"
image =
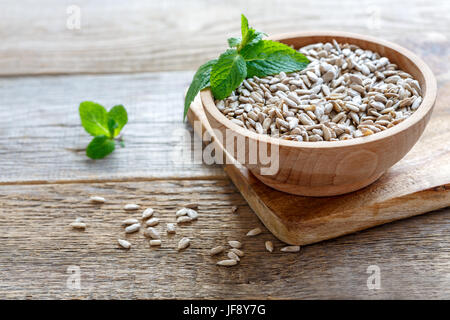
(424, 108)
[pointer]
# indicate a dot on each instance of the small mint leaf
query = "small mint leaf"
(244, 26)
(94, 118)
(227, 74)
(119, 115)
(100, 147)
(112, 125)
(268, 57)
(249, 35)
(199, 82)
(234, 42)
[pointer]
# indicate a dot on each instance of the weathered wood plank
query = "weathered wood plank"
(38, 246)
(167, 35)
(42, 139)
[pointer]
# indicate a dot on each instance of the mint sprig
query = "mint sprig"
(249, 56)
(104, 126)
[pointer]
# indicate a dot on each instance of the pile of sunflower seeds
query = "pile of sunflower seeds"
(345, 92)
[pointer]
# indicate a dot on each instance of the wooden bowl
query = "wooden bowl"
(329, 168)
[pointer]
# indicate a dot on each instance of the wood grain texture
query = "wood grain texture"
(328, 168)
(42, 141)
(38, 246)
(305, 220)
(139, 36)
(42, 138)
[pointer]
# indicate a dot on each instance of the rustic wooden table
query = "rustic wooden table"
(142, 54)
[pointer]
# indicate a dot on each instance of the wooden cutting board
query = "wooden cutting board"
(419, 183)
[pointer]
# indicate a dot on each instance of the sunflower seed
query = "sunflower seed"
(152, 222)
(151, 232)
(183, 243)
(290, 249)
(129, 221)
(192, 214)
(237, 251)
(124, 243)
(181, 212)
(216, 250)
(78, 225)
(235, 244)
(97, 199)
(234, 209)
(183, 219)
(227, 263)
(233, 256)
(147, 213)
(131, 206)
(269, 246)
(155, 242)
(254, 232)
(171, 228)
(133, 228)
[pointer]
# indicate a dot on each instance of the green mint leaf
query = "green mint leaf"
(234, 42)
(100, 147)
(94, 118)
(227, 74)
(257, 37)
(119, 115)
(268, 57)
(249, 35)
(112, 126)
(199, 82)
(244, 26)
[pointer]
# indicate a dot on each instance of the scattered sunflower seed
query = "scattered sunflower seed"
(133, 228)
(124, 244)
(78, 225)
(235, 244)
(131, 206)
(183, 243)
(183, 219)
(181, 212)
(171, 228)
(227, 263)
(152, 222)
(147, 213)
(290, 249)
(97, 199)
(240, 253)
(129, 221)
(234, 209)
(254, 232)
(192, 214)
(233, 256)
(156, 242)
(151, 233)
(216, 250)
(269, 246)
